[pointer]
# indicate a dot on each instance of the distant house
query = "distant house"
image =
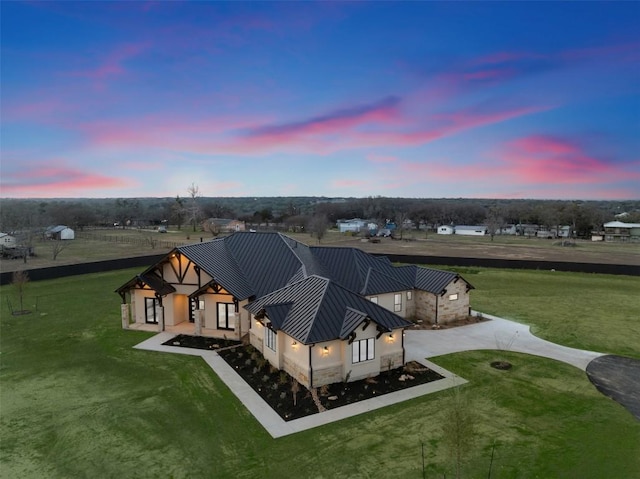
(470, 230)
(527, 229)
(7, 240)
(224, 225)
(59, 232)
(507, 230)
(446, 230)
(354, 225)
(621, 232)
(321, 314)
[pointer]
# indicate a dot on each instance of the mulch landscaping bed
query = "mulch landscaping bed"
(277, 388)
(200, 342)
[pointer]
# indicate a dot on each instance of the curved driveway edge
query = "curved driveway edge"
(617, 377)
(498, 333)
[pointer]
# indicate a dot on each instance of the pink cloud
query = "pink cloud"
(46, 180)
(544, 159)
(382, 111)
(112, 65)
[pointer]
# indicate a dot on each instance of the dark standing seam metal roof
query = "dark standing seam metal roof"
(378, 282)
(216, 260)
(253, 264)
(348, 266)
(322, 310)
(426, 279)
(154, 282)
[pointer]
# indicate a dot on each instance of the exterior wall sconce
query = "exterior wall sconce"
(391, 338)
(325, 351)
(294, 344)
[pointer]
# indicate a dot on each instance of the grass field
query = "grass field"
(78, 401)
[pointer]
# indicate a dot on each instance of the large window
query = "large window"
(397, 302)
(226, 316)
(363, 350)
(270, 338)
(151, 310)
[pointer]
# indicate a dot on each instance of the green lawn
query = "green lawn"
(77, 400)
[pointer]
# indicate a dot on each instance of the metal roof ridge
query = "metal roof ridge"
(282, 237)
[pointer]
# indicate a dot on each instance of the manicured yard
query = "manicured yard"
(77, 401)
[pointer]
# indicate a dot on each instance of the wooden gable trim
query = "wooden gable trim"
(182, 269)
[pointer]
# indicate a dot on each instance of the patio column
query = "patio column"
(199, 317)
(161, 318)
(124, 311)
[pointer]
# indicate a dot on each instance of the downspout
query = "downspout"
(403, 352)
(310, 367)
(437, 296)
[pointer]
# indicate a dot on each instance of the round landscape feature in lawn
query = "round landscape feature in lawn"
(504, 365)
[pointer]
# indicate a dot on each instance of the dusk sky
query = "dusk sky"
(427, 100)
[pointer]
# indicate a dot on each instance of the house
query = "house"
(321, 314)
(223, 225)
(354, 225)
(507, 230)
(7, 240)
(621, 232)
(445, 230)
(59, 232)
(470, 230)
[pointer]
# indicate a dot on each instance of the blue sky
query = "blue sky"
(433, 99)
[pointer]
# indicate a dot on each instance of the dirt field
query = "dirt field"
(99, 245)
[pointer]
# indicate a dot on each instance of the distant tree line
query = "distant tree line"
(310, 213)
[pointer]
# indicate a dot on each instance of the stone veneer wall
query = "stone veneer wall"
(256, 341)
(425, 306)
(295, 371)
(457, 309)
(395, 358)
(328, 375)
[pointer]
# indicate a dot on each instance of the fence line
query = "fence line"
(61, 271)
(144, 241)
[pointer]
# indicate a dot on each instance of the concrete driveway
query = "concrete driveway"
(497, 333)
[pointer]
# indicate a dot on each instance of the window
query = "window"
(226, 316)
(363, 350)
(151, 310)
(374, 299)
(397, 302)
(409, 295)
(270, 338)
(453, 297)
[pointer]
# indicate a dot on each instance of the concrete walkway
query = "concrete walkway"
(272, 422)
(497, 333)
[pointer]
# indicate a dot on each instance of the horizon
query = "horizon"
(435, 100)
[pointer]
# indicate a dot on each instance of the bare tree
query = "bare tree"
(458, 428)
(494, 221)
(194, 208)
(401, 216)
(20, 281)
(318, 226)
(178, 212)
(212, 227)
(57, 247)
(295, 387)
